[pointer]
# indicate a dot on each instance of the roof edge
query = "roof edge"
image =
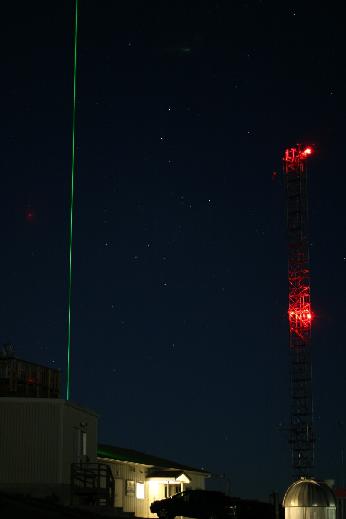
(121, 454)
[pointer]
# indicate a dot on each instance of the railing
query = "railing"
(92, 482)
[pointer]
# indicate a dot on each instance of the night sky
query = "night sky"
(179, 303)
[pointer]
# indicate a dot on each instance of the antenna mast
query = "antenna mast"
(300, 316)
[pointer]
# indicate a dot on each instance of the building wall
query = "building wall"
(125, 496)
(30, 441)
(313, 512)
(197, 480)
(38, 443)
(126, 493)
(155, 490)
(75, 421)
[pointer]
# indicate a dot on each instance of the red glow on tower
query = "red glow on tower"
(308, 151)
(299, 306)
(300, 315)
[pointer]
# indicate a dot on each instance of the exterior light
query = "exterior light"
(140, 490)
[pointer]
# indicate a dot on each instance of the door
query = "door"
(119, 492)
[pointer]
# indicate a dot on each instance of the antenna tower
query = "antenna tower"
(300, 316)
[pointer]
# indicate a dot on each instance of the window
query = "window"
(140, 490)
(84, 443)
(130, 487)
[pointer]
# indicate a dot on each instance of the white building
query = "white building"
(141, 478)
(40, 438)
(48, 447)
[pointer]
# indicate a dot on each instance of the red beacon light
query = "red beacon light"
(294, 155)
(307, 151)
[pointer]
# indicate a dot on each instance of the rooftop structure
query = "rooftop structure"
(20, 378)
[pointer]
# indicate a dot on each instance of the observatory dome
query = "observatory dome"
(309, 493)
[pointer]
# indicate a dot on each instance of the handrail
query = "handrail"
(94, 479)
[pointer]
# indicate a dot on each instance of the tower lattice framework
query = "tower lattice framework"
(301, 435)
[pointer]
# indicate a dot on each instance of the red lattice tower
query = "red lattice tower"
(299, 311)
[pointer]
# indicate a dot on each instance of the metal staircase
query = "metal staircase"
(92, 483)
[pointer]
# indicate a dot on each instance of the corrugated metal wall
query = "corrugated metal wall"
(313, 512)
(37, 439)
(74, 419)
(30, 441)
(127, 472)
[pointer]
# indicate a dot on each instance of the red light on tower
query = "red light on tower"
(308, 151)
(294, 156)
(300, 315)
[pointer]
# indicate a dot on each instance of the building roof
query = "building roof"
(309, 492)
(25, 401)
(166, 473)
(9, 358)
(132, 456)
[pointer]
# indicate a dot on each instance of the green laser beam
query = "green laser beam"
(68, 375)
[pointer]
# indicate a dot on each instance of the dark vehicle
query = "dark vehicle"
(201, 504)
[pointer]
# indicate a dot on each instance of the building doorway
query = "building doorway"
(173, 488)
(119, 492)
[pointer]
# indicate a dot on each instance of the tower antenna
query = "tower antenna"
(300, 316)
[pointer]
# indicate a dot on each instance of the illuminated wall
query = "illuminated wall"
(135, 489)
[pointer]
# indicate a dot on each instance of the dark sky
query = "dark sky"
(184, 109)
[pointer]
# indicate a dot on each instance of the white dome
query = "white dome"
(308, 493)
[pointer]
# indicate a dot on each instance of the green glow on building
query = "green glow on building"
(68, 374)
